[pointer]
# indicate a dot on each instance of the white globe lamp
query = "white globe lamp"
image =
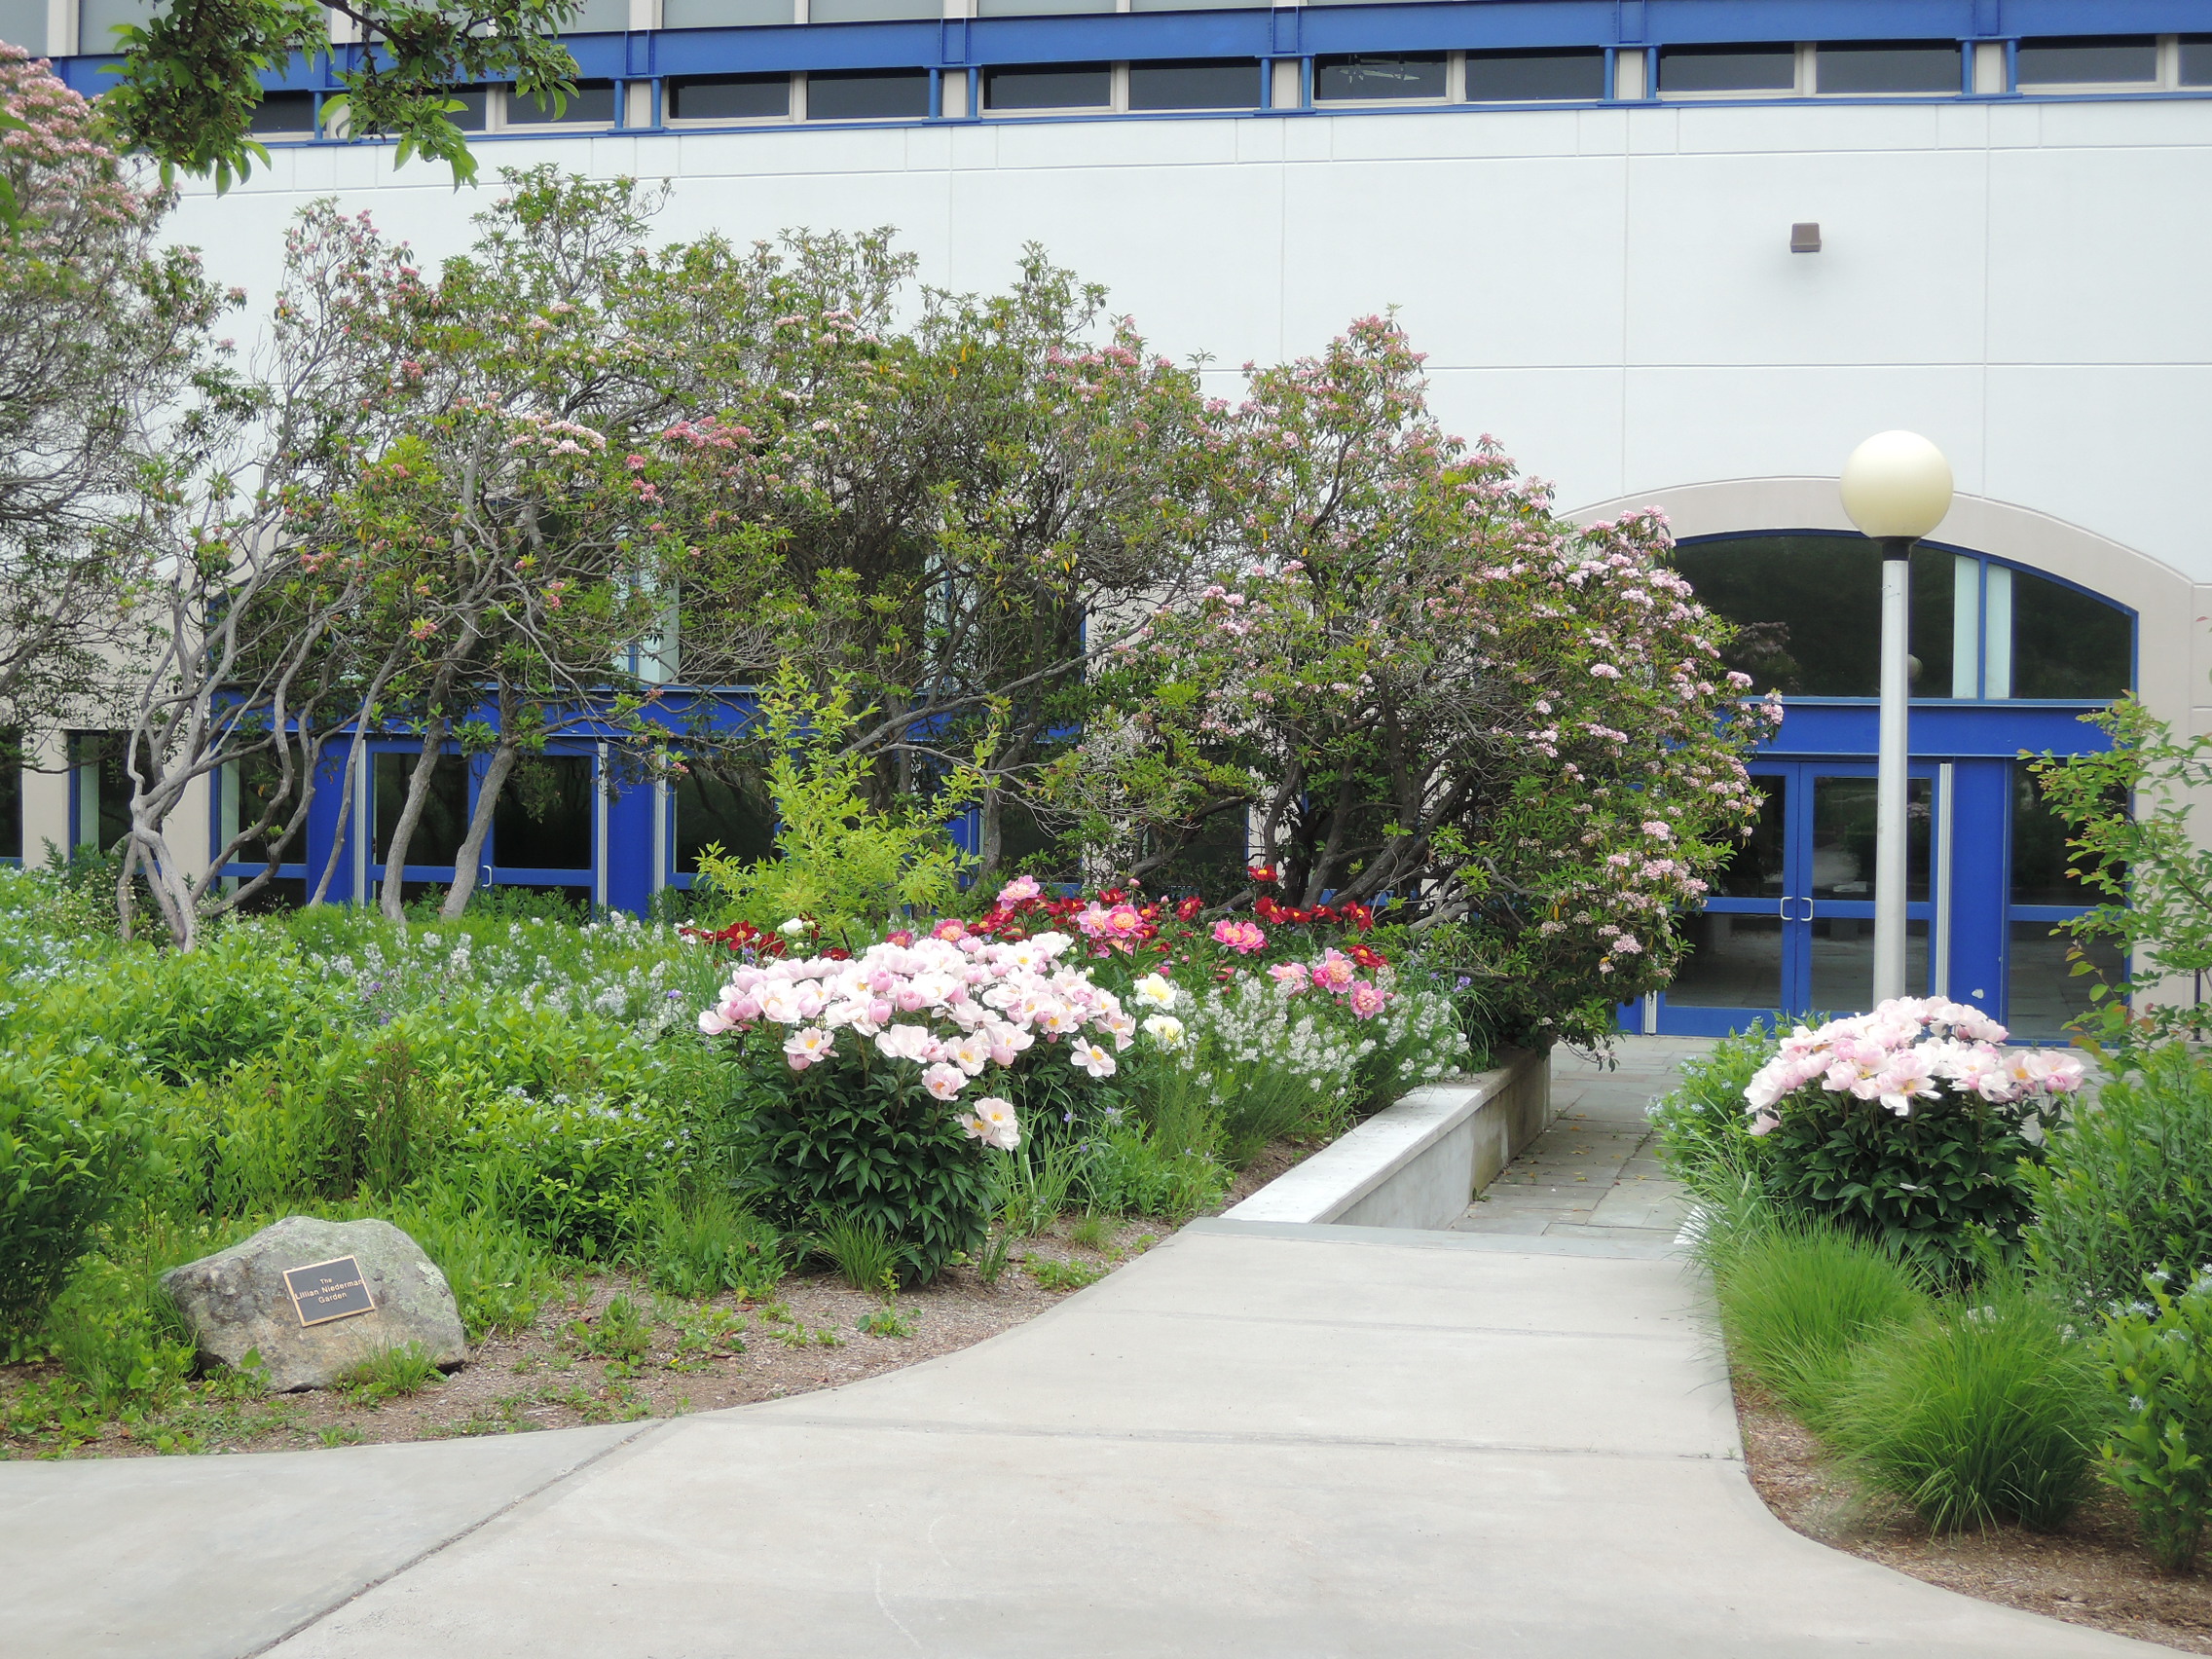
(1896, 488)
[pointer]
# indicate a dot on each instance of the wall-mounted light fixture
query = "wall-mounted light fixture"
(1805, 237)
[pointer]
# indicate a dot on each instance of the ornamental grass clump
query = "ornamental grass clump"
(859, 1065)
(1983, 1407)
(1908, 1125)
(1800, 1301)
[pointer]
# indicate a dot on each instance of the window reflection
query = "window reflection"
(543, 818)
(1809, 611)
(2042, 990)
(731, 812)
(1844, 833)
(1531, 77)
(438, 832)
(1754, 870)
(1378, 75)
(1888, 66)
(2067, 644)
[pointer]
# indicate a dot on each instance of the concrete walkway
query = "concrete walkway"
(1595, 1174)
(1257, 1442)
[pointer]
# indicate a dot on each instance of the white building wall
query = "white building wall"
(1609, 291)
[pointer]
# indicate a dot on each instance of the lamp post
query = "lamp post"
(1896, 488)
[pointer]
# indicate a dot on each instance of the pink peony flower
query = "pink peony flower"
(1243, 938)
(943, 1081)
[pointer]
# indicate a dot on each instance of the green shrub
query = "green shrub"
(71, 1128)
(620, 1331)
(391, 1373)
(2127, 1184)
(705, 1243)
(1800, 1300)
(1981, 1407)
(1134, 1169)
(118, 1337)
(1033, 1185)
(499, 1276)
(1703, 1132)
(841, 860)
(868, 1144)
(191, 1016)
(1940, 1185)
(2155, 1361)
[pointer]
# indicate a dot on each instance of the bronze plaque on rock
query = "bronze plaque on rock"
(324, 1291)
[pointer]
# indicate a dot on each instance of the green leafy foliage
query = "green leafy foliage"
(71, 1129)
(1937, 1184)
(2129, 808)
(1133, 1171)
(1982, 1407)
(866, 1144)
(1052, 1274)
(391, 1373)
(2154, 1358)
(842, 862)
(2126, 1187)
(1703, 1132)
(191, 75)
(864, 1256)
(704, 1242)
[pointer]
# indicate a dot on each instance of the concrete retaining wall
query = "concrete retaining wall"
(1419, 1162)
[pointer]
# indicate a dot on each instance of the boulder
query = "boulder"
(236, 1302)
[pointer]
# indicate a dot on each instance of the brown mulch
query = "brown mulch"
(2093, 1573)
(724, 1352)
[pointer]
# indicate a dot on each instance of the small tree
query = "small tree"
(2129, 808)
(1418, 681)
(99, 330)
(249, 607)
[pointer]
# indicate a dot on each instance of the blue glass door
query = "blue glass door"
(1788, 928)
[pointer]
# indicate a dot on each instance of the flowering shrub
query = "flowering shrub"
(882, 1045)
(1908, 1122)
(1416, 678)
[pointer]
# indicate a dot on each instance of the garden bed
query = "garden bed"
(2092, 1573)
(701, 1356)
(545, 1378)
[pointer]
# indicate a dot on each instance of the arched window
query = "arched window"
(1809, 605)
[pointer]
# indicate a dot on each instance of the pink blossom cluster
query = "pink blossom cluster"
(1119, 925)
(1908, 1048)
(951, 1006)
(1336, 974)
(1242, 937)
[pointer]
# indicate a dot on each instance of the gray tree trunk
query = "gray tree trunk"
(466, 861)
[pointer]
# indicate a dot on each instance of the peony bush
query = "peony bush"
(1910, 1125)
(862, 1066)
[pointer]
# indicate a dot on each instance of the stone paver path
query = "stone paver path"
(1595, 1172)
